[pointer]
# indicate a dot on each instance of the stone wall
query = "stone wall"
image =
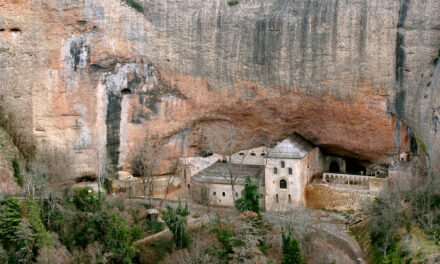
(134, 188)
(321, 196)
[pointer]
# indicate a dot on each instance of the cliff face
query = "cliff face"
(98, 76)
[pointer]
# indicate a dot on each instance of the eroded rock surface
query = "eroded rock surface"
(98, 76)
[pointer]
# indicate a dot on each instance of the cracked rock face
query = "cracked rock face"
(97, 76)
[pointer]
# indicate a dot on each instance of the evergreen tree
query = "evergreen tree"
(291, 249)
(249, 200)
(21, 230)
(10, 218)
(176, 220)
(24, 242)
(33, 214)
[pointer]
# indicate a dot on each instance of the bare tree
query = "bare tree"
(225, 141)
(103, 169)
(205, 198)
(170, 180)
(36, 177)
(144, 163)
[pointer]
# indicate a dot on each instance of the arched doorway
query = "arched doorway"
(334, 167)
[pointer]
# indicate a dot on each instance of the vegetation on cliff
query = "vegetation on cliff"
(83, 226)
(405, 218)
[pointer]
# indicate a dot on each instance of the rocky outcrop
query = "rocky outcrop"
(98, 76)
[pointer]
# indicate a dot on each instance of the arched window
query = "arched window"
(214, 193)
(283, 184)
(252, 154)
(275, 170)
(262, 154)
(224, 194)
(283, 164)
(241, 154)
(290, 171)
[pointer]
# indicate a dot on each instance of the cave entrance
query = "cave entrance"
(334, 167)
(126, 91)
(355, 167)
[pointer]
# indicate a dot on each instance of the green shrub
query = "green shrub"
(225, 237)
(291, 249)
(17, 174)
(263, 246)
(233, 3)
(85, 229)
(135, 5)
(118, 240)
(152, 227)
(250, 197)
(86, 200)
(176, 221)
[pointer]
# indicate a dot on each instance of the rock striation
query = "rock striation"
(98, 76)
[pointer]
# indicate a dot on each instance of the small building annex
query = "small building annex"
(212, 185)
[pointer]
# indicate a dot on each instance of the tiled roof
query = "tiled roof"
(218, 173)
(293, 147)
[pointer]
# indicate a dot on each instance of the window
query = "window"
(236, 194)
(261, 195)
(283, 184)
(252, 154)
(241, 153)
(290, 171)
(262, 154)
(223, 194)
(275, 170)
(289, 198)
(277, 198)
(214, 193)
(283, 164)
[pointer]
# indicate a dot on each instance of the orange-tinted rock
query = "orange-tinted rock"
(98, 76)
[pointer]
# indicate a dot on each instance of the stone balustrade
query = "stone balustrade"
(372, 183)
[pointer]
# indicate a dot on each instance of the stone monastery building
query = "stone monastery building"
(282, 172)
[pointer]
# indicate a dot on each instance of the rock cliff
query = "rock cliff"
(97, 76)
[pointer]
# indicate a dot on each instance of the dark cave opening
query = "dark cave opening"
(125, 91)
(354, 166)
